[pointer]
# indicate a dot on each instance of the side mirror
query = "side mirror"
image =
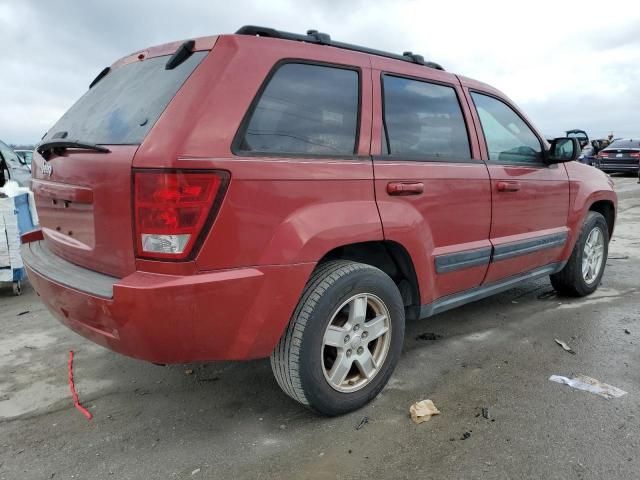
(563, 149)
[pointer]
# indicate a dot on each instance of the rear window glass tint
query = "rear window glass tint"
(123, 106)
(424, 119)
(625, 144)
(305, 109)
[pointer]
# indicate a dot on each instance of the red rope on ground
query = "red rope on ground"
(72, 387)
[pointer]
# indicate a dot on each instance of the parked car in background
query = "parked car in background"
(18, 168)
(270, 194)
(622, 156)
(26, 155)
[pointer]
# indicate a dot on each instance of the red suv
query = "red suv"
(273, 194)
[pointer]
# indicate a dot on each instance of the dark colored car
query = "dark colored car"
(268, 194)
(16, 167)
(622, 156)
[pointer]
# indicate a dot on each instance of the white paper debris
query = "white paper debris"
(565, 346)
(588, 384)
(423, 411)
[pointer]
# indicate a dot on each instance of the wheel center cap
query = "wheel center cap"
(356, 340)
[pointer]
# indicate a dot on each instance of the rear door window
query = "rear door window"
(305, 109)
(424, 120)
(123, 106)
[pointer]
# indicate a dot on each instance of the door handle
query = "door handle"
(405, 188)
(504, 186)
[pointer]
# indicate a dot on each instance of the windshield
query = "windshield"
(123, 106)
(26, 155)
(7, 153)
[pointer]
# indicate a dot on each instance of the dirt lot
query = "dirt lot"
(230, 420)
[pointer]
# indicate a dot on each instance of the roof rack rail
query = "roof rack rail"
(313, 36)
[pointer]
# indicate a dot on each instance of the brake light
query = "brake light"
(603, 155)
(635, 155)
(172, 209)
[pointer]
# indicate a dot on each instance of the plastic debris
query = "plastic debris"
(588, 384)
(565, 346)
(428, 336)
(485, 413)
(626, 330)
(548, 294)
(422, 411)
(362, 423)
(188, 371)
(465, 435)
(74, 394)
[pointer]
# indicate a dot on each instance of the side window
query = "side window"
(508, 138)
(305, 109)
(423, 119)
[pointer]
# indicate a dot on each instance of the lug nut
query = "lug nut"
(349, 353)
(365, 334)
(360, 350)
(347, 338)
(356, 328)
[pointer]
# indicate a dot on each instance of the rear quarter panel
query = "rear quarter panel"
(277, 210)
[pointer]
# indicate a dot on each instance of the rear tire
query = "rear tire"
(583, 272)
(344, 339)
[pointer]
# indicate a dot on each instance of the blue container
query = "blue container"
(19, 274)
(21, 202)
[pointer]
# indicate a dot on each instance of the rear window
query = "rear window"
(305, 110)
(122, 107)
(618, 144)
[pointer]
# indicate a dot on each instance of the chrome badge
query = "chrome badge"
(46, 169)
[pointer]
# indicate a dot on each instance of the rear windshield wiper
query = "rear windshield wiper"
(59, 145)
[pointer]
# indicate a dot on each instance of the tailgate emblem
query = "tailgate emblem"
(46, 169)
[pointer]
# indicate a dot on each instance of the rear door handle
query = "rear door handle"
(508, 186)
(405, 188)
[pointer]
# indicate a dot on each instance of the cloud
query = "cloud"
(565, 67)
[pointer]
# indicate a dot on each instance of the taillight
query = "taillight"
(172, 209)
(635, 155)
(602, 155)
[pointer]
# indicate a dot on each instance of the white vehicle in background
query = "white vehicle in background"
(26, 155)
(17, 166)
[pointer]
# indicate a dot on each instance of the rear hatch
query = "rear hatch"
(83, 196)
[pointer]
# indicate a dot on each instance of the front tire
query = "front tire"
(344, 339)
(583, 272)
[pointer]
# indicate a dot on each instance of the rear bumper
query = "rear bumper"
(618, 167)
(235, 314)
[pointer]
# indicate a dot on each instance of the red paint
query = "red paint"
(72, 387)
(281, 215)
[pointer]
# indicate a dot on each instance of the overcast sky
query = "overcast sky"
(567, 64)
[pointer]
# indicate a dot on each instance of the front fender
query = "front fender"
(587, 185)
